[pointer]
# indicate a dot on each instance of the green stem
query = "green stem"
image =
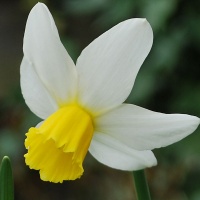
(6, 180)
(141, 185)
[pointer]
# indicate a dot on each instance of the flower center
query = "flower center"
(58, 147)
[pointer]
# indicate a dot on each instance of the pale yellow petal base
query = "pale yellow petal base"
(59, 146)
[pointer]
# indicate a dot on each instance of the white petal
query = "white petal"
(115, 154)
(43, 48)
(143, 129)
(34, 92)
(109, 65)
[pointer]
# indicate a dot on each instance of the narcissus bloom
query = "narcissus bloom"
(82, 106)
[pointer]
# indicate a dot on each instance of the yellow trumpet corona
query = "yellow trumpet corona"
(58, 147)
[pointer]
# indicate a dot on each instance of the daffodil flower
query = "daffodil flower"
(82, 106)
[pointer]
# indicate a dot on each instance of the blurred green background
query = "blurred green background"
(169, 82)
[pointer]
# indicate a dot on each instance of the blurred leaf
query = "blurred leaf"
(28, 4)
(83, 7)
(187, 98)
(10, 143)
(158, 12)
(143, 90)
(115, 12)
(72, 47)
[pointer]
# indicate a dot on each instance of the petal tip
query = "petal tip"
(144, 20)
(196, 121)
(38, 6)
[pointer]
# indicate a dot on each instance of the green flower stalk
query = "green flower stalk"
(141, 185)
